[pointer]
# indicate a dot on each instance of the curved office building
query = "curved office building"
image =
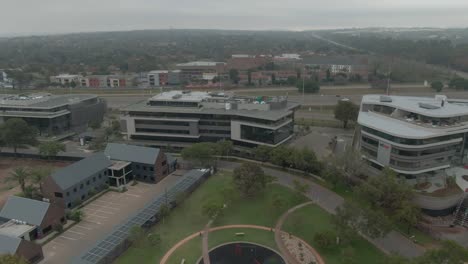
(422, 139)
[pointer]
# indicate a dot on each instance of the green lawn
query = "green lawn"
(308, 221)
(188, 219)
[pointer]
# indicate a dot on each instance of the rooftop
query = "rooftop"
(81, 170)
(8, 244)
(428, 106)
(132, 153)
(27, 210)
(181, 96)
(199, 64)
(41, 100)
(14, 228)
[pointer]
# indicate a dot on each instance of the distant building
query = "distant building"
(287, 57)
(53, 114)
(194, 71)
(109, 81)
(5, 81)
(28, 250)
(348, 65)
(29, 219)
(177, 118)
(66, 79)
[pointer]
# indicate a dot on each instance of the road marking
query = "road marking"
(104, 201)
(84, 227)
(69, 238)
(97, 223)
(99, 210)
(96, 215)
(74, 232)
(134, 195)
(104, 206)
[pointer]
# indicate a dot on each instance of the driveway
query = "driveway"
(100, 217)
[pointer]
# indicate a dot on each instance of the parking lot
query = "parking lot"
(100, 217)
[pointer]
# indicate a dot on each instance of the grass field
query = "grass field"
(188, 219)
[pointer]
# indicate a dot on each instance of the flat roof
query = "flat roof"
(413, 104)
(42, 100)
(269, 115)
(403, 129)
(14, 229)
(199, 64)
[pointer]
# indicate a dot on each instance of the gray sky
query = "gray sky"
(60, 16)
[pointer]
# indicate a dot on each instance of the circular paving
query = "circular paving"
(243, 252)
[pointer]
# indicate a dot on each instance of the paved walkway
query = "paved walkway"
(393, 242)
(287, 254)
(182, 242)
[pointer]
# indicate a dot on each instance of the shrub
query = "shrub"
(324, 240)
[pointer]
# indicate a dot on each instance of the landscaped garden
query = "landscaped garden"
(263, 210)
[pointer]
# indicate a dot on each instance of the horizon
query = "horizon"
(60, 17)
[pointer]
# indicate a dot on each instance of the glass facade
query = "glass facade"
(265, 135)
(410, 141)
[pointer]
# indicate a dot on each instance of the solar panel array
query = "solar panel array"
(118, 236)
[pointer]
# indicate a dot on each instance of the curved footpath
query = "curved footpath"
(169, 253)
(393, 242)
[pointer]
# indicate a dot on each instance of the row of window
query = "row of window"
(410, 141)
(164, 131)
(160, 122)
(144, 167)
(220, 132)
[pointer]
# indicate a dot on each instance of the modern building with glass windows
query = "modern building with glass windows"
(179, 118)
(422, 139)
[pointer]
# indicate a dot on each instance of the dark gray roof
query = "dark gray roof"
(81, 170)
(131, 153)
(24, 209)
(9, 245)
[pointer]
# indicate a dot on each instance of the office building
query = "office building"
(196, 70)
(179, 117)
(53, 115)
(422, 139)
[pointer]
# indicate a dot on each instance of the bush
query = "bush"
(324, 240)
(58, 228)
(75, 215)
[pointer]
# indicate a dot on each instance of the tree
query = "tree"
(281, 156)
(437, 86)
(224, 147)
(292, 80)
(310, 86)
(12, 259)
(346, 111)
(19, 175)
(94, 124)
(154, 239)
(409, 214)
(16, 133)
(361, 220)
(262, 153)
(201, 153)
(249, 77)
(76, 215)
(212, 208)
(234, 75)
(385, 192)
(250, 180)
(73, 84)
(50, 148)
(449, 253)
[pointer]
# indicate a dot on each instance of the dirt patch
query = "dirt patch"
(8, 164)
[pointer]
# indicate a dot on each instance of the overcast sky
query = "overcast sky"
(61, 16)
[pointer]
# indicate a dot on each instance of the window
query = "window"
(94, 178)
(137, 166)
(152, 169)
(68, 194)
(87, 182)
(99, 176)
(83, 197)
(145, 177)
(59, 195)
(144, 167)
(81, 186)
(69, 205)
(152, 178)
(74, 189)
